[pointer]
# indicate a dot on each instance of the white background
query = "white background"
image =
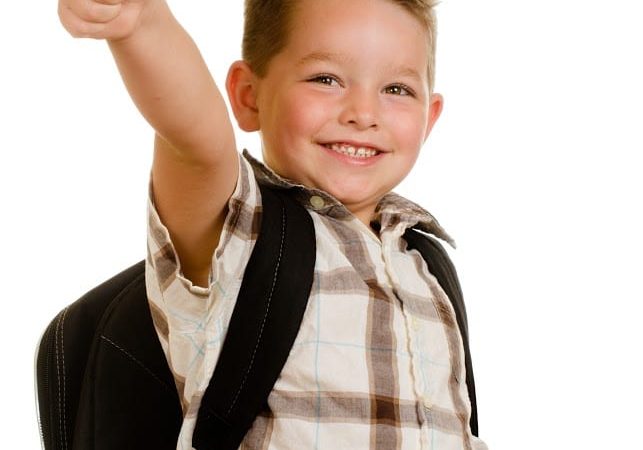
(534, 168)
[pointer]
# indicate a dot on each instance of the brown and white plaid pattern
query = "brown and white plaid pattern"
(378, 362)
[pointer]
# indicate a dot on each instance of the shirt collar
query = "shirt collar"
(392, 209)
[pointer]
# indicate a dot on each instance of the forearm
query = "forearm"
(168, 80)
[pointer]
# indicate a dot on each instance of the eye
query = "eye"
(326, 79)
(399, 89)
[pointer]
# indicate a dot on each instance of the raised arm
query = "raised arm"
(195, 162)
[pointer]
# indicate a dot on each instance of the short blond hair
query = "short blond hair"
(267, 25)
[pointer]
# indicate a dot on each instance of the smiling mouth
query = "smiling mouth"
(352, 151)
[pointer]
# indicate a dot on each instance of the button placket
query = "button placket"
(426, 401)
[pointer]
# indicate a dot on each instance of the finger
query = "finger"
(78, 27)
(92, 11)
(101, 12)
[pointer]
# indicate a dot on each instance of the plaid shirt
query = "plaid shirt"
(378, 362)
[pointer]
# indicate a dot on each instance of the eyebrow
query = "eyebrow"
(409, 72)
(323, 57)
(319, 56)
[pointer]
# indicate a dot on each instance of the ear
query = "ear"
(436, 102)
(242, 89)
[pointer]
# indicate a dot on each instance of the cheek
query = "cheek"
(294, 123)
(409, 127)
(303, 114)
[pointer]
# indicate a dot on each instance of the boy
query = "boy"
(341, 92)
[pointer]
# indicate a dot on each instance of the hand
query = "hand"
(102, 19)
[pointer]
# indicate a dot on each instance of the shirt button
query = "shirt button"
(317, 202)
(415, 324)
(426, 401)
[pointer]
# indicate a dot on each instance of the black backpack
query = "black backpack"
(103, 381)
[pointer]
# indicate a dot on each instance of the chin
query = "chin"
(352, 197)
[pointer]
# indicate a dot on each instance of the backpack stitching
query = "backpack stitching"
(60, 370)
(62, 345)
(133, 358)
(265, 317)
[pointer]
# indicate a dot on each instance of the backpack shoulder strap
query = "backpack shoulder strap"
(440, 265)
(101, 372)
(264, 323)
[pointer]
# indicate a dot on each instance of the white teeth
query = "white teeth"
(359, 152)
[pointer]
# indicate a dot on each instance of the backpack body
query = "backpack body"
(103, 381)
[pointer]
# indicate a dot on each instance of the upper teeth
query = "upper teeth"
(358, 152)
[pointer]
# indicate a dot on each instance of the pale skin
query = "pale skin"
(351, 87)
(195, 165)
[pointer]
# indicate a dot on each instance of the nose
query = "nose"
(360, 109)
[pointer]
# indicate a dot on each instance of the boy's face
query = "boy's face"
(345, 106)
